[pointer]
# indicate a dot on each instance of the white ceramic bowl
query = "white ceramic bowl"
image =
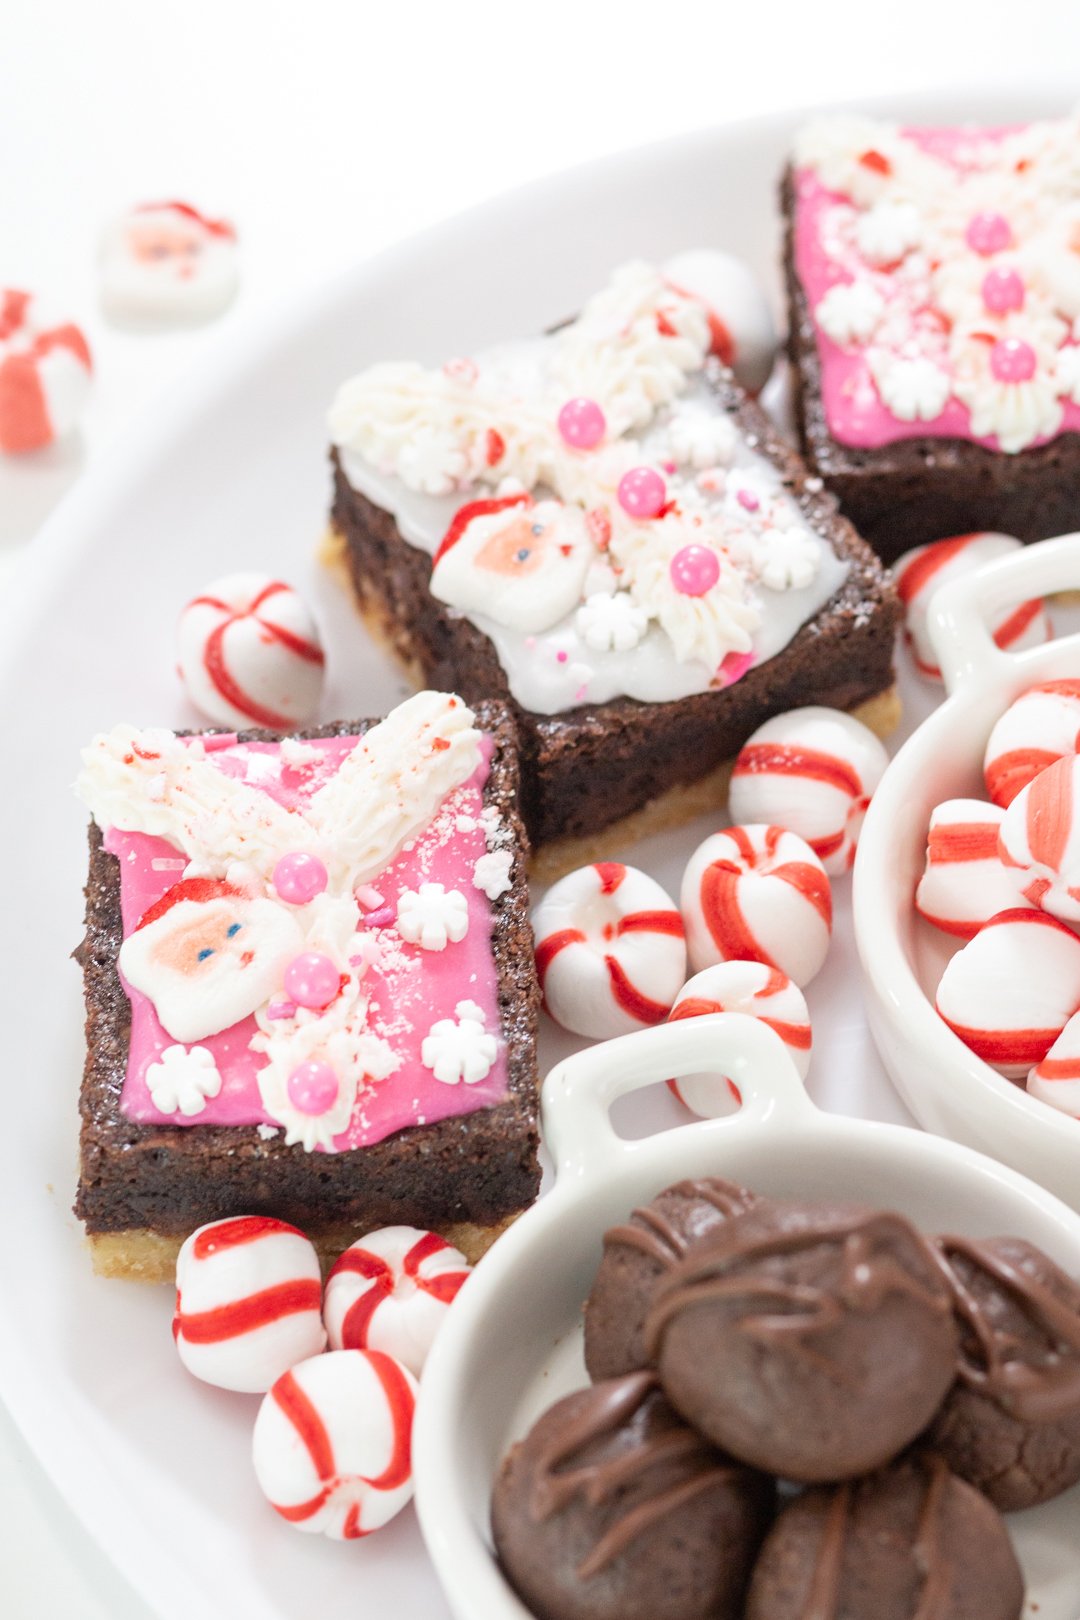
(948, 1088)
(513, 1345)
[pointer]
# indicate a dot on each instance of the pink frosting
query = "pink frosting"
(854, 410)
(404, 1003)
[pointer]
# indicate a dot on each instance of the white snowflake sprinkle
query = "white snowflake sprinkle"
(611, 623)
(432, 917)
(491, 874)
(182, 1080)
(459, 1049)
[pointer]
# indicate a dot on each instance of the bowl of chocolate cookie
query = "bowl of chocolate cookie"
(783, 1365)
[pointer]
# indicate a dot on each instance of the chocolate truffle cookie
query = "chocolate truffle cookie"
(911, 1542)
(636, 1256)
(611, 1506)
(1011, 1423)
(813, 1341)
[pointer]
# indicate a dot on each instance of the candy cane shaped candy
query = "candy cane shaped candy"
(332, 1445)
(248, 1298)
(248, 653)
(391, 1291)
(757, 894)
(1056, 1080)
(44, 375)
(966, 882)
(1042, 726)
(1009, 993)
(919, 573)
(1040, 836)
(610, 950)
(812, 771)
(740, 987)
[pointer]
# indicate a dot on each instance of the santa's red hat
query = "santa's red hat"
(477, 509)
(199, 889)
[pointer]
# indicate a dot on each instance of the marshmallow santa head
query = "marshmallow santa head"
(165, 262)
(207, 955)
(518, 561)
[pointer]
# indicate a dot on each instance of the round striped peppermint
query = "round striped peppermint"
(1040, 838)
(921, 572)
(1010, 991)
(812, 771)
(1056, 1079)
(966, 882)
(740, 987)
(248, 653)
(1040, 727)
(248, 1302)
(610, 950)
(332, 1445)
(391, 1291)
(757, 894)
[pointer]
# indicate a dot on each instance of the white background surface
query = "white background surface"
(327, 130)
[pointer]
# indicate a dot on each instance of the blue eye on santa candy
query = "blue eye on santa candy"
(233, 929)
(523, 555)
(207, 950)
(538, 528)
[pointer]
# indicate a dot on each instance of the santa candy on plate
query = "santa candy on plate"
(249, 654)
(743, 334)
(1056, 1079)
(391, 1291)
(44, 375)
(741, 987)
(921, 572)
(610, 950)
(165, 262)
(1040, 837)
(248, 1296)
(1042, 726)
(812, 771)
(332, 1446)
(757, 894)
(966, 882)
(517, 561)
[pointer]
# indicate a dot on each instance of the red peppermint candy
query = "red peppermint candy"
(391, 1290)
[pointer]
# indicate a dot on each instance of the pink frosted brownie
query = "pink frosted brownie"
(934, 286)
(309, 979)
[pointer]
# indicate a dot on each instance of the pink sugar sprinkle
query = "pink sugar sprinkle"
(748, 500)
(281, 1007)
(734, 666)
(382, 918)
(368, 897)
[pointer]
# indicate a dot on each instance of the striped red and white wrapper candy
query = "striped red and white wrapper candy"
(1040, 837)
(741, 987)
(1056, 1080)
(812, 771)
(248, 1302)
(44, 375)
(332, 1445)
(610, 950)
(966, 882)
(391, 1291)
(1041, 726)
(249, 654)
(1010, 991)
(757, 894)
(921, 572)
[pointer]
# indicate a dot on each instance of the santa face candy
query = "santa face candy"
(812, 771)
(966, 882)
(44, 375)
(1042, 726)
(390, 1291)
(610, 950)
(612, 1509)
(741, 987)
(166, 262)
(249, 653)
(332, 1446)
(757, 894)
(248, 1297)
(919, 573)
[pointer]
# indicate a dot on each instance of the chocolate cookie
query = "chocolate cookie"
(812, 1341)
(911, 1542)
(637, 1255)
(611, 1506)
(1011, 1423)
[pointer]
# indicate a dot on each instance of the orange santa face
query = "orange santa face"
(524, 567)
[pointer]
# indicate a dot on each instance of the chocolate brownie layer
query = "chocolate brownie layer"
(473, 1169)
(915, 490)
(591, 766)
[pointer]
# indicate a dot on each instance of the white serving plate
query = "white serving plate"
(229, 472)
(513, 1343)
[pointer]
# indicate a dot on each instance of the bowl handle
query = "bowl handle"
(579, 1092)
(961, 613)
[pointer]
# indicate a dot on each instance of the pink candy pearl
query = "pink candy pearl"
(1003, 290)
(582, 423)
(642, 492)
(694, 570)
(299, 878)
(313, 1088)
(312, 980)
(988, 233)
(1012, 360)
